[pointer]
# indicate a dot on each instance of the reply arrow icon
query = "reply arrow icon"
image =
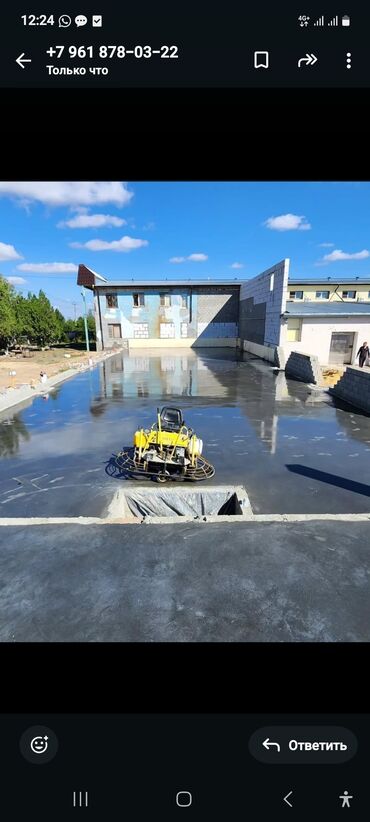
(309, 60)
(22, 59)
(267, 744)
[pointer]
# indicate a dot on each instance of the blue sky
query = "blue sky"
(178, 230)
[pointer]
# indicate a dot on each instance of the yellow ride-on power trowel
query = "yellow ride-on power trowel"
(169, 450)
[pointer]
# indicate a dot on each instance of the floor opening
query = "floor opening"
(190, 503)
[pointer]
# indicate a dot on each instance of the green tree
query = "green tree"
(8, 320)
(40, 321)
(23, 315)
(59, 324)
(79, 326)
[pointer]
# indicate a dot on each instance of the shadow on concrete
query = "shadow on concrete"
(331, 479)
(113, 469)
(346, 406)
(116, 470)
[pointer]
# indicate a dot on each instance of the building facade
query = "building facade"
(163, 314)
(332, 332)
(352, 289)
(257, 315)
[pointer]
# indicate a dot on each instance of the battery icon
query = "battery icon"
(346, 21)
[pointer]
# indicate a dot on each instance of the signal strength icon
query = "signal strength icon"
(334, 21)
(320, 21)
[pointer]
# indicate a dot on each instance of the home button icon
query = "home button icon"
(184, 799)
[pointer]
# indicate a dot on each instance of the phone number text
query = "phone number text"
(109, 52)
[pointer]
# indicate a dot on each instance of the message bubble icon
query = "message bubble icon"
(80, 20)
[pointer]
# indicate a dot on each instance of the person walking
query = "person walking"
(363, 354)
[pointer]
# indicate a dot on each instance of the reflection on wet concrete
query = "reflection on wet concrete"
(254, 422)
(12, 431)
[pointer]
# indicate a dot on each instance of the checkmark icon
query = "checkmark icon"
(97, 20)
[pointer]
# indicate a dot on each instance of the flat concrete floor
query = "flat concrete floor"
(293, 455)
(243, 582)
(306, 581)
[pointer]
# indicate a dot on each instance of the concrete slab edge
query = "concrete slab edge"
(255, 518)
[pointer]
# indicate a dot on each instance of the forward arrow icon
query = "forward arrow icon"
(309, 60)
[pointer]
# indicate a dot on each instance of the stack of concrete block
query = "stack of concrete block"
(304, 367)
(354, 387)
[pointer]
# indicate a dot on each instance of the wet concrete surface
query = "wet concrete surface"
(246, 582)
(292, 453)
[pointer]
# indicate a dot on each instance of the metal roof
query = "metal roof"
(164, 283)
(330, 281)
(326, 309)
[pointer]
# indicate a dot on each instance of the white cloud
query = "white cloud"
(342, 255)
(194, 258)
(8, 252)
(92, 221)
(48, 268)
(16, 280)
(237, 265)
(326, 245)
(288, 222)
(124, 244)
(68, 193)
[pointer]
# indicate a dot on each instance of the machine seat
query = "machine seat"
(171, 419)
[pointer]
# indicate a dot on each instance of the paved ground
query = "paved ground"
(250, 582)
(270, 581)
(292, 454)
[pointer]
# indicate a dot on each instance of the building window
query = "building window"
(167, 330)
(114, 331)
(294, 329)
(184, 301)
(112, 301)
(271, 282)
(349, 295)
(165, 300)
(116, 364)
(322, 295)
(296, 295)
(141, 330)
(138, 300)
(184, 329)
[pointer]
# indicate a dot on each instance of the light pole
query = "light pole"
(85, 322)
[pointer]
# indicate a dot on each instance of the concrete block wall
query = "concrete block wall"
(354, 387)
(264, 351)
(262, 301)
(304, 367)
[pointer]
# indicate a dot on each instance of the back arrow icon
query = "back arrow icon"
(22, 59)
(309, 59)
(286, 799)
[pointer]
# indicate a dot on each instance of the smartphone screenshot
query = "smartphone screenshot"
(184, 411)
